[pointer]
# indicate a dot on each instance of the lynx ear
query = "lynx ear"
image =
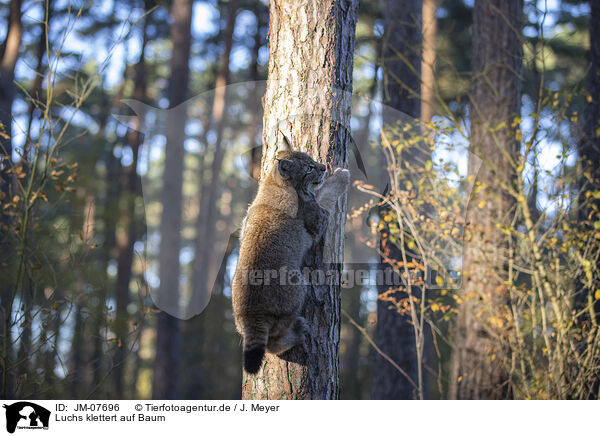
(285, 168)
(286, 144)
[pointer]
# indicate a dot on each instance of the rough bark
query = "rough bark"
(309, 85)
(164, 383)
(394, 333)
(497, 57)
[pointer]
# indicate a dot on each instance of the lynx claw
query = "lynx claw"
(343, 174)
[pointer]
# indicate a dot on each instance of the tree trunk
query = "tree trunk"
(201, 285)
(77, 344)
(476, 371)
(309, 85)
(130, 222)
(112, 193)
(591, 150)
(193, 335)
(589, 156)
(9, 53)
(164, 383)
(394, 333)
(428, 61)
(402, 57)
(36, 87)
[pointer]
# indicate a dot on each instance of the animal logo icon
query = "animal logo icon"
(25, 414)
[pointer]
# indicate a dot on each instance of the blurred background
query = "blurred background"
(88, 91)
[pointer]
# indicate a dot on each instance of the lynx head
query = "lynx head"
(300, 170)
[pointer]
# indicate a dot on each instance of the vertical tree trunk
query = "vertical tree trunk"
(394, 333)
(36, 87)
(76, 358)
(352, 380)
(109, 214)
(167, 328)
(428, 61)
(202, 262)
(590, 146)
(402, 56)
(497, 57)
(309, 81)
(9, 53)
(129, 221)
(588, 149)
(192, 369)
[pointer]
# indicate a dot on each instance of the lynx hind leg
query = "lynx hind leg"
(287, 334)
(333, 188)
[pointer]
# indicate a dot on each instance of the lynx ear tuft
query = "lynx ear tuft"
(286, 144)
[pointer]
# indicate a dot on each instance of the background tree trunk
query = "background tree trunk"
(9, 53)
(428, 61)
(164, 383)
(589, 146)
(130, 224)
(205, 238)
(497, 58)
(40, 70)
(309, 81)
(394, 333)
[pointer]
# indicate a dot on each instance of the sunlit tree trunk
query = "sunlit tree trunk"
(496, 92)
(428, 61)
(167, 328)
(310, 72)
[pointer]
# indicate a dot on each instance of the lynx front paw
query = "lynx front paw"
(333, 188)
(342, 175)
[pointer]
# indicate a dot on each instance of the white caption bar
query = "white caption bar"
(288, 418)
